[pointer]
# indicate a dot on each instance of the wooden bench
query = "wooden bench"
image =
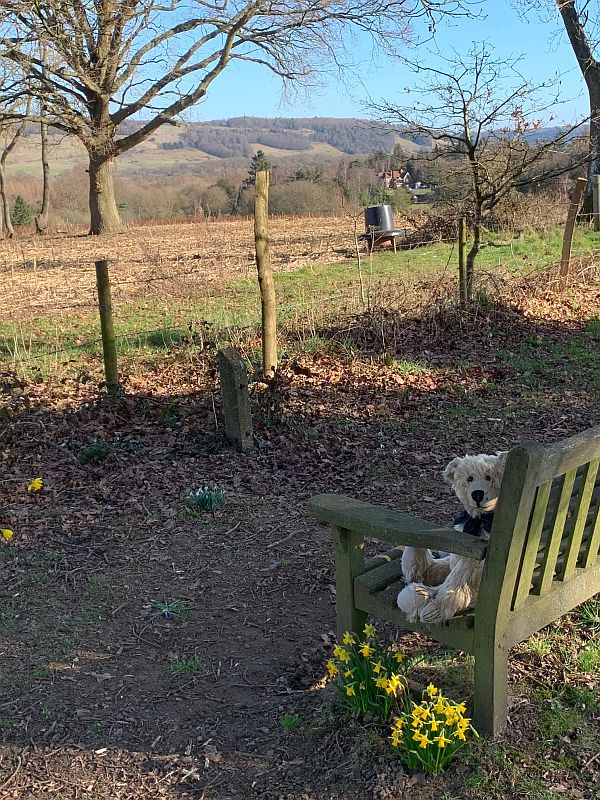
(541, 561)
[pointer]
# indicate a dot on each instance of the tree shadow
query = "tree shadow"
(89, 669)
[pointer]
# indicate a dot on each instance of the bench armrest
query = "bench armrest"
(392, 526)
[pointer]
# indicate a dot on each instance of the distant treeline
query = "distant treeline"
(240, 135)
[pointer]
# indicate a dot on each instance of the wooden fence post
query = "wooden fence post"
(236, 402)
(268, 298)
(462, 266)
(565, 261)
(109, 347)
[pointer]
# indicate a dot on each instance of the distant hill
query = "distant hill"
(195, 146)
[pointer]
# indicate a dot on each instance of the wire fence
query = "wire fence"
(194, 285)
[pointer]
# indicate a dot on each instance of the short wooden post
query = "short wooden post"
(565, 261)
(596, 201)
(236, 401)
(462, 265)
(265, 273)
(109, 347)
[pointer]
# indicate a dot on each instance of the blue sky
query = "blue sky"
(253, 91)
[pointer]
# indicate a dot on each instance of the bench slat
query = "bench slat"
(553, 544)
(392, 526)
(591, 553)
(537, 612)
(572, 552)
(569, 454)
(377, 579)
(457, 632)
(383, 558)
(530, 556)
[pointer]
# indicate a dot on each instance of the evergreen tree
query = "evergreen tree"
(22, 212)
(258, 163)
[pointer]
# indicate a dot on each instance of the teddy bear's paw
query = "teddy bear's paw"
(411, 599)
(435, 612)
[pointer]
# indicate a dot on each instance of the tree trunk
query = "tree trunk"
(104, 214)
(4, 205)
(590, 69)
(41, 220)
(594, 165)
(471, 256)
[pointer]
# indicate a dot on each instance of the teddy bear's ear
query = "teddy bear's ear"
(451, 469)
(501, 459)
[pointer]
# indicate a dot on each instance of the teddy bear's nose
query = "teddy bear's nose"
(477, 495)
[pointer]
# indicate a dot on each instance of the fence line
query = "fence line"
(19, 346)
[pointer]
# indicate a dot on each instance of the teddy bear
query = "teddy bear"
(440, 587)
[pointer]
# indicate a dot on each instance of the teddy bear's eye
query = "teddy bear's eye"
(488, 478)
(470, 479)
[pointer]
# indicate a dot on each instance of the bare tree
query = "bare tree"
(581, 22)
(41, 219)
(110, 60)
(10, 132)
(482, 116)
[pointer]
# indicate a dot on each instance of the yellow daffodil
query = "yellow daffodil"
(348, 673)
(331, 668)
(342, 654)
(377, 668)
(369, 630)
(442, 741)
(417, 723)
(417, 736)
(395, 739)
(348, 639)
(35, 485)
(7, 534)
(460, 734)
(440, 706)
(398, 724)
(432, 690)
(399, 657)
(366, 650)
(460, 708)
(382, 683)
(350, 691)
(425, 740)
(462, 724)
(434, 725)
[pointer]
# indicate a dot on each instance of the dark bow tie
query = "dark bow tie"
(474, 525)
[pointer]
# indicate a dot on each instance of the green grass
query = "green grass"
(186, 666)
(588, 614)
(290, 722)
(305, 298)
(589, 658)
(172, 609)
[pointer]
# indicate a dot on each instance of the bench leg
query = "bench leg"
(349, 562)
(491, 688)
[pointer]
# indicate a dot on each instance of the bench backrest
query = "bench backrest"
(547, 523)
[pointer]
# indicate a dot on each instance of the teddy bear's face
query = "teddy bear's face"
(476, 481)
